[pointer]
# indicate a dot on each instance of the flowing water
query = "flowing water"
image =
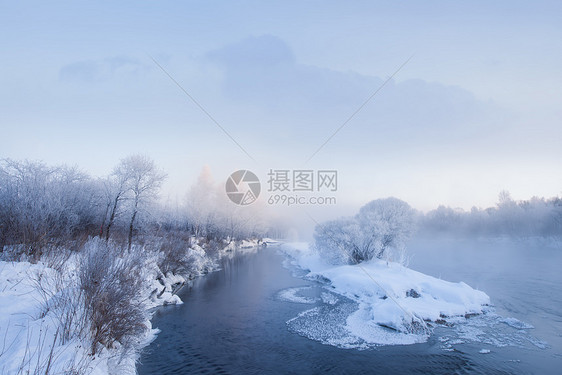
(244, 319)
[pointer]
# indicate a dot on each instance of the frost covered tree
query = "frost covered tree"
(387, 224)
(213, 216)
(380, 226)
(144, 181)
(239, 222)
(340, 241)
(133, 185)
(45, 206)
(116, 190)
(202, 203)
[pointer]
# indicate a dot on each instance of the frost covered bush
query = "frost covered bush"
(380, 227)
(44, 206)
(112, 282)
(339, 241)
(174, 256)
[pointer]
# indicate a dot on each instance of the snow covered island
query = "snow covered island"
(356, 258)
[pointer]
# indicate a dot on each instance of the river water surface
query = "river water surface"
(234, 321)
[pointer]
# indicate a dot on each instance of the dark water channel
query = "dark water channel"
(233, 323)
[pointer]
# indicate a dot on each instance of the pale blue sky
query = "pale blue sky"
(476, 110)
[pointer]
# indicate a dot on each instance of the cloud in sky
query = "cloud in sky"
(258, 52)
(307, 100)
(90, 71)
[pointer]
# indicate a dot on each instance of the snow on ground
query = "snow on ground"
(271, 242)
(382, 302)
(30, 340)
(239, 247)
(28, 333)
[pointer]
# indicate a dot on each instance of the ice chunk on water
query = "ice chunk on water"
(516, 323)
(329, 298)
(492, 329)
(326, 324)
(296, 295)
(345, 324)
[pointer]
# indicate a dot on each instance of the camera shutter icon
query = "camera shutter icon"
(243, 187)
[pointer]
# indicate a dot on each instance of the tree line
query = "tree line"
(381, 228)
(535, 217)
(44, 207)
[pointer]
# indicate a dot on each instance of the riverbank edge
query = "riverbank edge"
(25, 321)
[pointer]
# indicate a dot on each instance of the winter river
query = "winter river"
(240, 320)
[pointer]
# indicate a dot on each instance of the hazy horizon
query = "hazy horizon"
(475, 111)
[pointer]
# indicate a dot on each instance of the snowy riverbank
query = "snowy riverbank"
(33, 305)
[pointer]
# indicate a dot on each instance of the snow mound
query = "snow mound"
(392, 295)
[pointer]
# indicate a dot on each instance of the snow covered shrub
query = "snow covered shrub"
(213, 247)
(387, 224)
(112, 282)
(337, 241)
(380, 227)
(174, 256)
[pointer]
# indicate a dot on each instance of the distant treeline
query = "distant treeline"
(536, 217)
